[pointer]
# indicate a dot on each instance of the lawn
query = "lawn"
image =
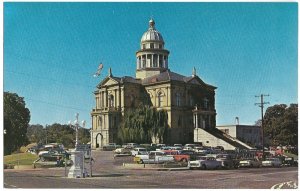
(291, 155)
(20, 158)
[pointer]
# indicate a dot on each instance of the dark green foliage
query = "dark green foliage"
(84, 136)
(16, 119)
(36, 134)
(143, 125)
(281, 124)
(57, 133)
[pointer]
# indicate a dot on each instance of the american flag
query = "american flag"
(98, 70)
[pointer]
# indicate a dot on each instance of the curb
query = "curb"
(152, 167)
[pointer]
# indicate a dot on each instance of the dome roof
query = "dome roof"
(152, 34)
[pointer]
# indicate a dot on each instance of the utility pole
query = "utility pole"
(261, 105)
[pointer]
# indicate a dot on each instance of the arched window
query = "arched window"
(132, 100)
(100, 121)
(178, 99)
(205, 103)
(179, 121)
(159, 99)
(192, 102)
(111, 100)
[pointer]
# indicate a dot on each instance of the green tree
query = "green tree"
(16, 119)
(84, 135)
(143, 125)
(36, 134)
(58, 133)
(281, 124)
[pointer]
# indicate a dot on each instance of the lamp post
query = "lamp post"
(76, 127)
(77, 169)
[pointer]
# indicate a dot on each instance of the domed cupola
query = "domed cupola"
(152, 34)
(152, 58)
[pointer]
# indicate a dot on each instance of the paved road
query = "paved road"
(109, 173)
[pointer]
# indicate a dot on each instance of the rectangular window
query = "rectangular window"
(152, 45)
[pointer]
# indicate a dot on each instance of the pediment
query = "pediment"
(195, 81)
(108, 82)
(198, 81)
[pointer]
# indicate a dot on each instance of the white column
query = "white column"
(105, 99)
(196, 120)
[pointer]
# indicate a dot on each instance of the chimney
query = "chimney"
(237, 121)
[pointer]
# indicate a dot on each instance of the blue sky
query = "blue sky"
(51, 51)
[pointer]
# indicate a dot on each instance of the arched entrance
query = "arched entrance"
(99, 140)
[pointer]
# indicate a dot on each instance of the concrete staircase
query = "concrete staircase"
(219, 138)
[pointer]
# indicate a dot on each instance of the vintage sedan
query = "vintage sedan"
(272, 162)
(205, 162)
(250, 162)
(227, 161)
(110, 147)
(153, 157)
(54, 155)
(138, 150)
(123, 151)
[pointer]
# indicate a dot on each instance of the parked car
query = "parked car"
(289, 161)
(193, 155)
(137, 150)
(227, 161)
(132, 145)
(110, 147)
(250, 162)
(178, 145)
(176, 148)
(178, 157)
(154, 157)
(205, 162)
(123, 151)
(53, 155)
(272, 162)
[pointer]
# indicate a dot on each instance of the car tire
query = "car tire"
(183, 160)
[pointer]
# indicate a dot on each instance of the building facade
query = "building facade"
(249, 134)
(188, 101)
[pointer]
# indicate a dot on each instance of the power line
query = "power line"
(261, 105)
(57, 105)
(50, 79)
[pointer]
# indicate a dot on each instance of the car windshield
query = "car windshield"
(223, 156)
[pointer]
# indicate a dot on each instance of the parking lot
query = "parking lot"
(108, 172)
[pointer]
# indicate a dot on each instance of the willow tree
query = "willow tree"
(143, 125)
